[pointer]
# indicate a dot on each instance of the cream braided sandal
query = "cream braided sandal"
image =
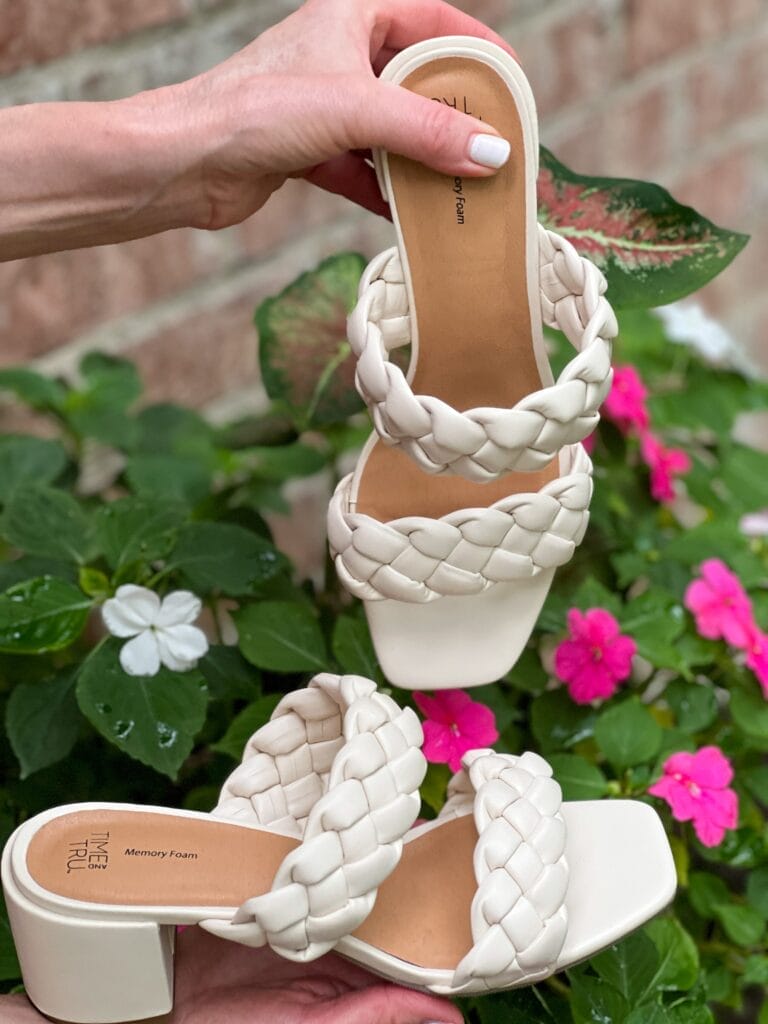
(94, 891)
(507, 886)
(454, 566)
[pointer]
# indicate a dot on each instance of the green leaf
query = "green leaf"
(174, 478)
(648, 1014)
(690, 1013)
(43, 614)
(33, 388)
(742, 925)
(750, 713)
(42, 721)
(678, 956)
(19, 570)
(282, 636)
(282, 462)
(228, 674)
(353, 648)
(651, 249)
(706, 891)
(435, 785)
(93, 582)
(99, 409)
(306, 361)
(244, 725)
(756, 781)
(167, 429)
(136, 530)
(630, 966)
(25, 460)
(655, 621)
(557, 722)
(757, 891)
(755, 970)
(154, 719)
(628, 734)
(45, 521)
(594, 1000)
(225, 557)
(742, 478)
(534, 1005)
(694, 705)
(578, 778)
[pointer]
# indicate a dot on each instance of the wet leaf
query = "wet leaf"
(46, 521)
(152, 718)
(651, 249)
(281, 635)
(26, 460)
(43, 614)
(306, 361)
(225, 557)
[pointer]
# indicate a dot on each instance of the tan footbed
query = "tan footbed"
(421, 916)
(470, 288)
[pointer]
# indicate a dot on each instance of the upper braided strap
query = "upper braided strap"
(519, 917)
(418, 559)
(340, 765)
(483, 443)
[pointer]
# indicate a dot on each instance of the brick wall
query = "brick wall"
(672, 90)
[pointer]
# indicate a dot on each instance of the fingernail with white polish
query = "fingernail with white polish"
(489, 150)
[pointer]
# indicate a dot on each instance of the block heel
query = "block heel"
(88, 970)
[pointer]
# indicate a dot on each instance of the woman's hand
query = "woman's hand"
(303, 99)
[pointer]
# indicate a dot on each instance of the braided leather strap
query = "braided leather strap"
(418, 559)
(340, 765)
(481, 444)
(519, 917)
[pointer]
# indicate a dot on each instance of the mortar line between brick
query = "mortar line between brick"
(128, 332)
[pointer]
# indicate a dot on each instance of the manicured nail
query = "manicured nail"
(489, 150)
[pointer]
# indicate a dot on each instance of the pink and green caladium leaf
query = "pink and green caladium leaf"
(651, 249)
(306, 361)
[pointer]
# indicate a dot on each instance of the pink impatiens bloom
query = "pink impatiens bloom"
(720, 604)
(696, 788)
(665, 464)
(596, 657)
(757, 656)
(625, 403)
(454, 724)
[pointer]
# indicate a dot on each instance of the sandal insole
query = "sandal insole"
(465, 241)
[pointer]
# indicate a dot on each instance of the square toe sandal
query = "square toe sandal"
(507, 885)
(95, 891)
(473, 487)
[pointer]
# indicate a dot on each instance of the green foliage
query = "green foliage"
(189, 507)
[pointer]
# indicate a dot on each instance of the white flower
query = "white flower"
(688, 324)
(161, 632)
(755, 524)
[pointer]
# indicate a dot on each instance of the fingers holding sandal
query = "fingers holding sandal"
(403, 22)
(432, 133)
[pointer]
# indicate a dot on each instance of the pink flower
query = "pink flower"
(596, 658)
(454, 724)
(757, 656)
(625, 403)
(720, 604)
(696, 788)
(664, 463)
(589, 442)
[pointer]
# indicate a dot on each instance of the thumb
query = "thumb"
(424, 130)
(391, 1004)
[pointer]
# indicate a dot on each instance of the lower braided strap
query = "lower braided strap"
(519, 917)
(340, 766)
(417, 559)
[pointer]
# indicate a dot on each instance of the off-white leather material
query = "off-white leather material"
(340, 765)
(483, 443)
(519, 918)
(418, 559)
